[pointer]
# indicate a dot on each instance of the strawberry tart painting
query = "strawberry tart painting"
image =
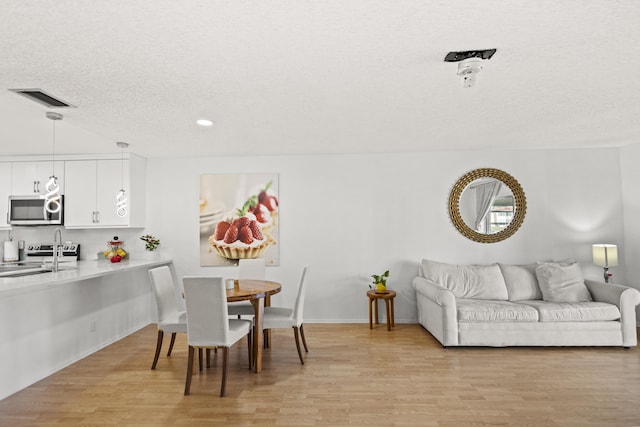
(238, 218)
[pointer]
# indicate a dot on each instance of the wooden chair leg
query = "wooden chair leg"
(304, 341)
(225, 359)
(250, 347)
(158, 348)
(187, 385)
(173, 340)
(200, 359)
(266, 338)
(295, 333)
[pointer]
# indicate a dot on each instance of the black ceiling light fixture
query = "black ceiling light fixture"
(469, 63)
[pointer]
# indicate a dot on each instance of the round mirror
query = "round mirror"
(487, 205)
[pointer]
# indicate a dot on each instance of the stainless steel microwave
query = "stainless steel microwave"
(29, 210)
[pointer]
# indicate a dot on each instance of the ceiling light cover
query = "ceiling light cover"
(468, 70)
(469, 64)
(204, 122)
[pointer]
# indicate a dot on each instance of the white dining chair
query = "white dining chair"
(251, 269)
(208, 323)
(284, 317)
(170, 318)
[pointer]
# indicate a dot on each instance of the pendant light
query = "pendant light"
(121, 197)
(52, 203)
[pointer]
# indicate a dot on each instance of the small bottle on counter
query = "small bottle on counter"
(22, 256)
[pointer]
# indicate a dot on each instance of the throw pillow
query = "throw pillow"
(562, 282)
(521, 282)
(467, 281)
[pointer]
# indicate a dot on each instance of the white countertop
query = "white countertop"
(83, 270)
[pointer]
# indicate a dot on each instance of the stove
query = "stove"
(43, 252)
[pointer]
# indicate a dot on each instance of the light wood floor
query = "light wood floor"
(352, 376)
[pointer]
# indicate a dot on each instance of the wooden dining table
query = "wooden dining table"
(258, 292)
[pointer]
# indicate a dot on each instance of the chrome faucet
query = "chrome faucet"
(57, 240)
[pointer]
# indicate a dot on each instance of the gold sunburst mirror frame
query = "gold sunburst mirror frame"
(520, 205)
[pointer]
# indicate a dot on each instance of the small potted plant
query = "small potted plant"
(150, 242)
(380, 282)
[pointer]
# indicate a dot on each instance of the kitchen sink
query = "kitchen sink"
(17, 269)
(25, 272)
(22, 269)
(12, 266)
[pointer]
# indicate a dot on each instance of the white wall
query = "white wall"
(630, 178)
(351, 216)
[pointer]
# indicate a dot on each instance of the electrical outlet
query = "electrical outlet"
(92, 326)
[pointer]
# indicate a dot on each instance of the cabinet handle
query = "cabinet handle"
(93, 217)
(35, 186)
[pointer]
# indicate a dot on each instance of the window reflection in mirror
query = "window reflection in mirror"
(487, 205)
(501, 213)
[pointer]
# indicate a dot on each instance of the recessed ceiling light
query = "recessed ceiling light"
(204, 122)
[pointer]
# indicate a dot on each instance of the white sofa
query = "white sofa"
(540, 304)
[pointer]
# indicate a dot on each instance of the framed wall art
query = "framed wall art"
(239, 218)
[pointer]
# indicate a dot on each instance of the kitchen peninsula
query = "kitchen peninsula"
(51, 320)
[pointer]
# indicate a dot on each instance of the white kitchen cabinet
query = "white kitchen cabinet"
(91, 188)
(32, 177)
(5, 192)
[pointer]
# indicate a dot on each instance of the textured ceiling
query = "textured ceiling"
(332, 76)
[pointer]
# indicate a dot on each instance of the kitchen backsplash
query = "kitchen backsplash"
(92, 241)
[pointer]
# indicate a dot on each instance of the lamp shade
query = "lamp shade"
(605, 255)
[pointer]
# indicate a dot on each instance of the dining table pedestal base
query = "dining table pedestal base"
(258, 292)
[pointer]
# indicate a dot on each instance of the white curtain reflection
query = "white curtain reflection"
(485, 195)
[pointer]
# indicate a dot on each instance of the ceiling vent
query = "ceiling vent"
(469, 64)
(43, 98)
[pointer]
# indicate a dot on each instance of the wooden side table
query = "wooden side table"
(388, 301)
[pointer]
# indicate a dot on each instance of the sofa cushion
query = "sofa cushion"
(467, 281)
(574, 311)
(473, 310)
(521, 281)
(562, 282)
